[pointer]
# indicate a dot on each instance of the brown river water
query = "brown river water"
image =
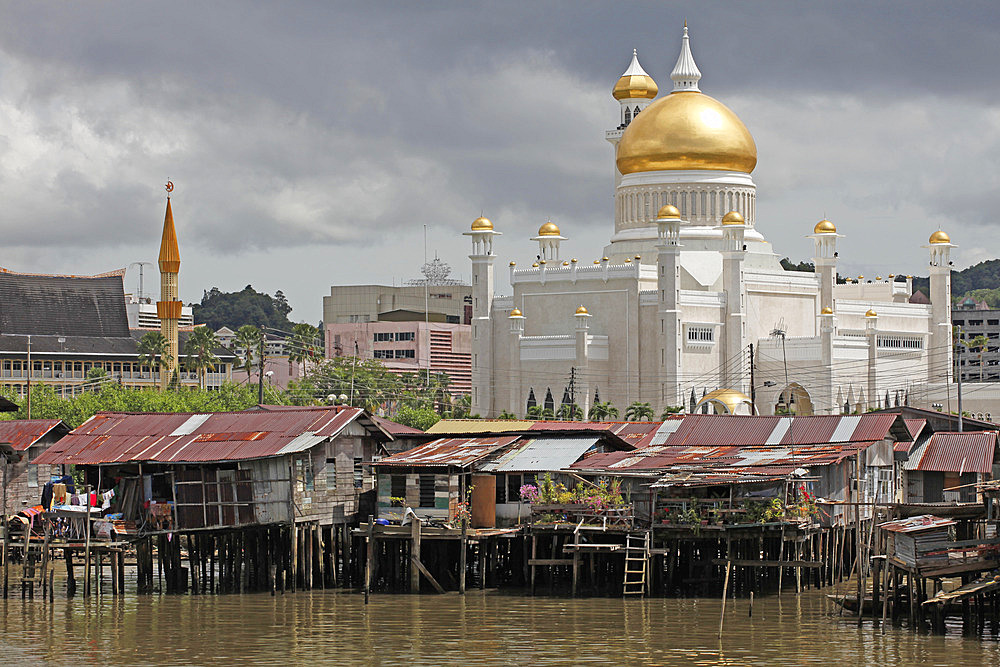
(482, 628)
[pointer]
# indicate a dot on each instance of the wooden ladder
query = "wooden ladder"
(636, 563)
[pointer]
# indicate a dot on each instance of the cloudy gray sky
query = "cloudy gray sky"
(310, 143)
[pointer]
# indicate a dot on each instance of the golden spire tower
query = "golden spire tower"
(168, 309)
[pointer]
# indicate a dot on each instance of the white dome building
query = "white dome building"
(688, 286)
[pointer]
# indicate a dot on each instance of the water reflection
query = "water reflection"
(481, 628)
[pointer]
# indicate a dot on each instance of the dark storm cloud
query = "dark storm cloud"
(294, 128)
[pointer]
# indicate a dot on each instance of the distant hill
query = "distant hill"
(980, 281)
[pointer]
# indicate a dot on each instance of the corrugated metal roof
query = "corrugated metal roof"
(455, 426)
(916, 524)
(23, 433)
(458, 452)
(394, 429)
(915, 426)
(542, 454)
(111, 437)
(955, 452)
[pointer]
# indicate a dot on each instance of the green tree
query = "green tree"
(570, 411)
(538, 412)
(671, 410)
(199, 351)
(603, 412)
(248, 338)
(639, 412)
(977, 343)
(304, 345)
(507, 415)
(248, 306)
(154, 351)
(416, 417)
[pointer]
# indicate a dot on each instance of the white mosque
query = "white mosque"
(688, 305)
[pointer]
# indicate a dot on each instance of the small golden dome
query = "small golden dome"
(574, 260)
(909, 277)
(939, 237)
(686, 130)
(860, 278)
(878, 277)
(824, 227)
(597, 261)
(733, 218)
(637, 258)
(513, 263)
(891, 276)
(582, 310)
(534, 265)
(827, 311)
(482, 225)
(548, 229)
(565, 263)
(516, 313)
(635, 83)
(848, 280)
(542, 261)
(628, 260)
(871, 313)
(669, 212)
(604, 259)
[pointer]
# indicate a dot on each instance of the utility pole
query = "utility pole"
(260, 370)
(31, 370)
(958, 351)
(753, 387)
(354, 364)
(572, 390)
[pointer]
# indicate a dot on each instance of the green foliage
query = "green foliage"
(422, 418)
(570, 411)
(606, 494)
(154, 350)
(671, 410)
(46, 404)
(788, 265)
(507, 415)
(248, 338)
(603, 412)
(199, 352)
(248, 306)
(304, 345)
(639, 412)
(538, 412)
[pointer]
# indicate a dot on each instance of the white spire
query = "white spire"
(634, 68)
(686, 74)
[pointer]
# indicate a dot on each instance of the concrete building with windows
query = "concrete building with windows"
(346, 304)
(688, 285)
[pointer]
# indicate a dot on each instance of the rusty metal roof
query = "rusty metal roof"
(456, 452)
(114, 437)
(23, 433)
(955, 452)
(462, 426)
(542, 454)
(916, 524)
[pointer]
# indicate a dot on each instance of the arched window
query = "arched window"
(628, 115)
(635, 113)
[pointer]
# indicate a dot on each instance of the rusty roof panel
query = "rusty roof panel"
(224, 436)
(23, 433)
(955, 452)
(916, 524)
(457, 452)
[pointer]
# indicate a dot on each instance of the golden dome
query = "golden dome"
(635, 83)
(631, 86)
(878, 277)
(827, 311)
(513, 263)
(939, 237)
(565, 263)
(686, 130)
(733, 218)
(871, 313)
(824, 227)
(638, 257)
(604, 259)
(516, 313)
(597, 261)
(548, 229)
(861, 278)
(534, 265)
(892, 275)
(669, 212)
(628, 260)
(729, 400)
(574, 260)
(542, 261)
(482, 225)
(582, 310)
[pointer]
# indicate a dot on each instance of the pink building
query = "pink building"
(408, 347)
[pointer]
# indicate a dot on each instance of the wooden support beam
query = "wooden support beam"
(550, 561)
(768, 563)
(423, 570)
(415, 564)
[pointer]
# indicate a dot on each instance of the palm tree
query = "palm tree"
(154, 350)
(507, 415)
(303, 345)
(570, 411)
(200, 352)
(248, 338)
(603, 411)
(670, 410)
(639, 412)
(538, 412)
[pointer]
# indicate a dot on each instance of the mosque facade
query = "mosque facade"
(688, 305)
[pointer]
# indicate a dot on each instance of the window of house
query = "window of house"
(382, 354)
(513, 488)
(406, 354)
(382, 337)
(701, 334)
(993, 323)
(427, 491)
(304, 474)
(331, 473)
(359, 473)
(501, 489)
(397, 486)
(32, 476)
(405, 335)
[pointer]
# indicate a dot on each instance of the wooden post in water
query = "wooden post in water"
(725, 591)
(414, 554)
(86, 549)
(463, 546)
(370, 555)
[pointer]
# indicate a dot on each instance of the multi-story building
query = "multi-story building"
(973, 319)
(451, 304)
(141, 312)
(408, 347)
